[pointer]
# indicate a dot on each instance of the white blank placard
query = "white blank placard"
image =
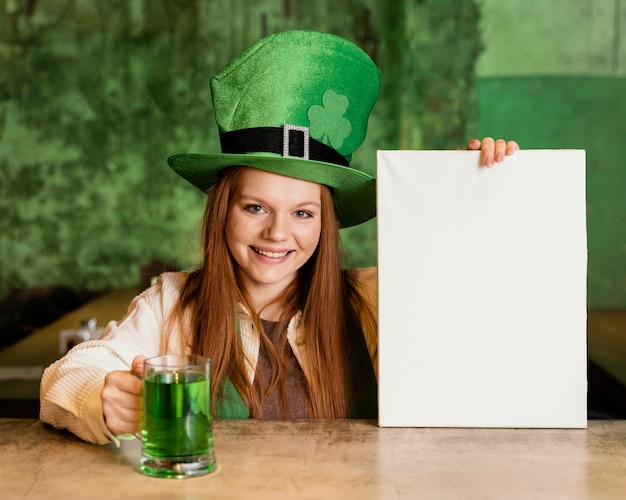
(482, 289)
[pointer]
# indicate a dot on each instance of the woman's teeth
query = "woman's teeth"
(271, 255)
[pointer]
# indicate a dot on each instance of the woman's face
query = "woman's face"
(273, 228)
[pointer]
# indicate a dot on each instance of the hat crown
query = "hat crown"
(301, 78)
(295, 103)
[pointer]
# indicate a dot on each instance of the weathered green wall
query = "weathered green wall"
(95, 95)
(93, 98)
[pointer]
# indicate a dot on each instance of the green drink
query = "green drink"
(177, 437)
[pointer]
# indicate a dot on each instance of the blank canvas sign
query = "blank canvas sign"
(482, 289)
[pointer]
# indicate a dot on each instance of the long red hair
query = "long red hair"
(322, 292)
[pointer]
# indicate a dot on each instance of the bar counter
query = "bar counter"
(329, 459)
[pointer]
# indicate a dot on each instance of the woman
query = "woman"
(290, 334)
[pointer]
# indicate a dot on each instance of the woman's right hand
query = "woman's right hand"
(122, 399)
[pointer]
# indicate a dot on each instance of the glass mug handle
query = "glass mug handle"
(139, 375)
(132, 435)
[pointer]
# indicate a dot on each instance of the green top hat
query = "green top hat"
(295, 103)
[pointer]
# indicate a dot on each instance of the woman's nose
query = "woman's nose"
(276, 228)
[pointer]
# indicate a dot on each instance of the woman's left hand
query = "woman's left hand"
(491, 150)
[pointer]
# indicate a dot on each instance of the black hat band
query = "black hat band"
(290, 141)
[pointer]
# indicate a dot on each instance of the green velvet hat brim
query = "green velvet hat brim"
(354, 192)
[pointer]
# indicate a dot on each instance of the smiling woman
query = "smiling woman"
(290, 333)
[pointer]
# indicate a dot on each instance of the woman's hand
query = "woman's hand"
(492, 151)
(122, 399)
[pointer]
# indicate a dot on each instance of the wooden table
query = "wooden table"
(322, 459)
(31, 355)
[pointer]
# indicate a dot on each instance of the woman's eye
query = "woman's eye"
(255, 209)
(303, 214)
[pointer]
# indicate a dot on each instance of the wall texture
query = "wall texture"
(95, 95)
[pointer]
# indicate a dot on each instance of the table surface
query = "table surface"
(329, 459)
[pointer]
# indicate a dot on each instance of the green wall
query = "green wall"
(95, 95)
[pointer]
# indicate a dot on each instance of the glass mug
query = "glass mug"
(177, 431)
